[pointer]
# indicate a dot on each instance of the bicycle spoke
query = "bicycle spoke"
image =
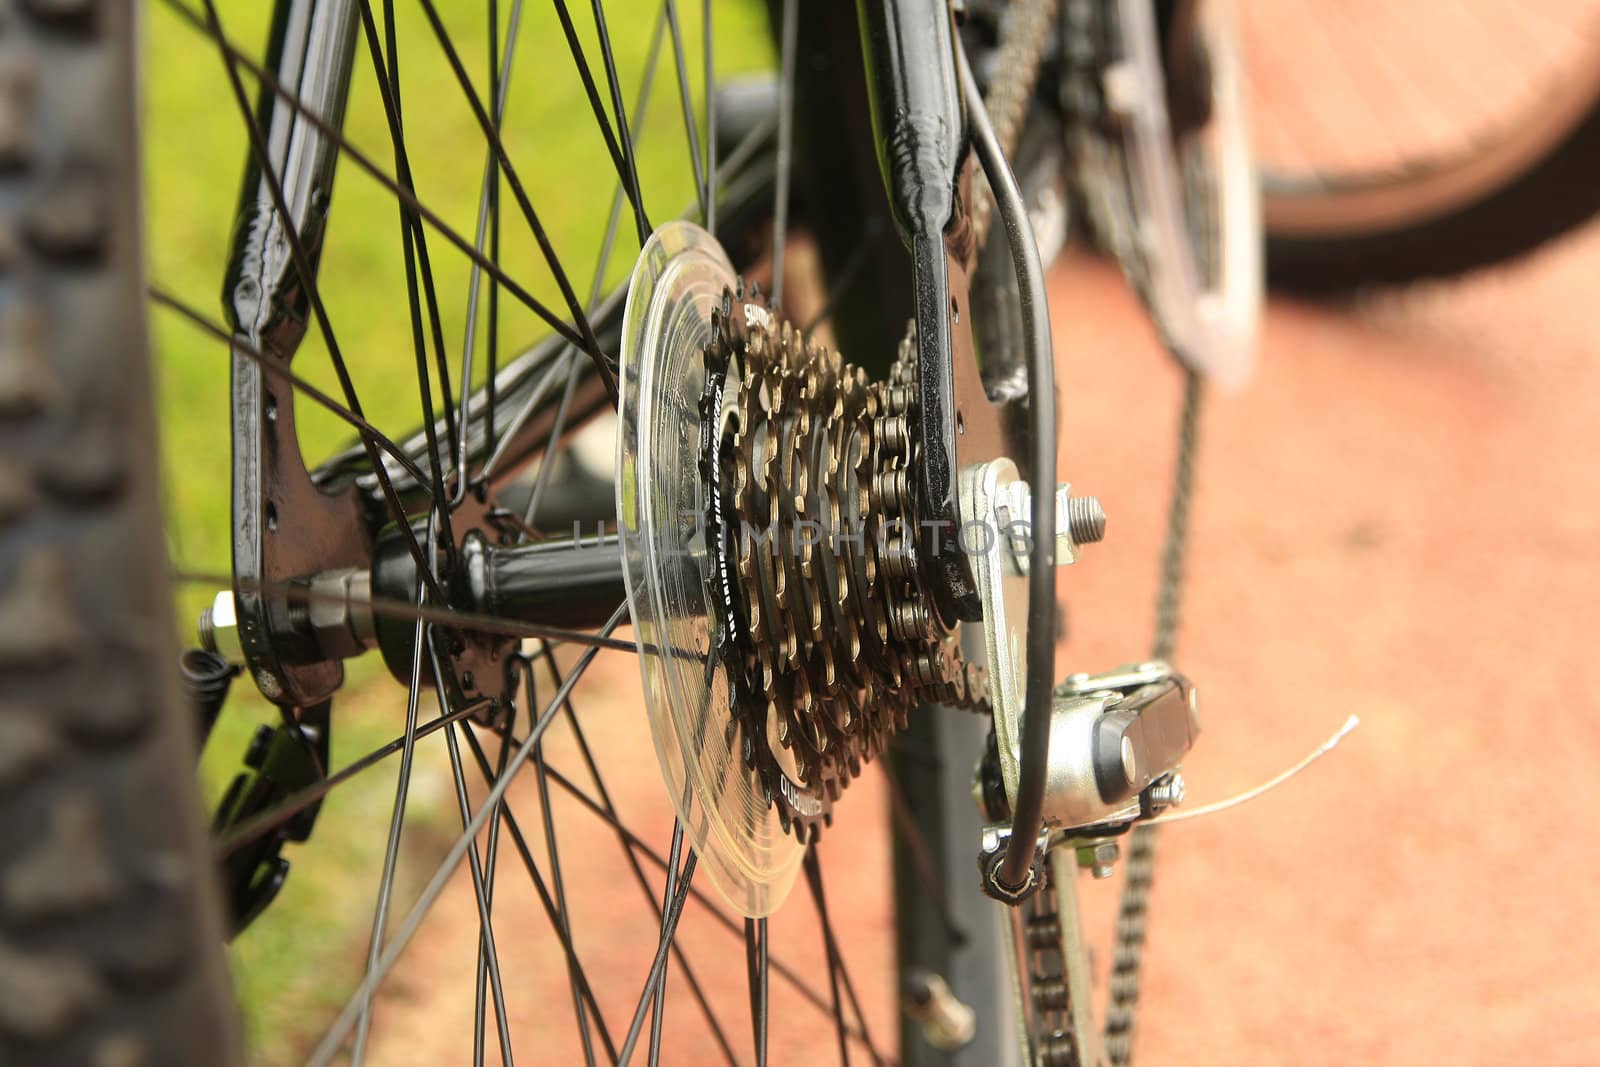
(850, 995)
(708, 205)
(488, 226)
(419, 345)
(836, 959)
(365, 163)
(480, 1008)
(643, 848)
(298, 801)
(430, 293)
(615, 89)
(520, 842)
(921, 855)
(846, 280)
(686, 102)
(302, 265)
(272, 366)
(553, 855)
(780, 206)
(658, 966)
(633, 863)
(745, 150)
(389, 89)
(499, 82)
(486, 947)
(735, 161)
(657, 1009)
(711, 120)
(424, 260)
(755, 959)
(563, 368)
(391, 851)
(359, 1001)
(589, 343)
(542, 477)
(575, 47)
(814, 881)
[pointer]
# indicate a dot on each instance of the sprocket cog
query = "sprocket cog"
(826, 631)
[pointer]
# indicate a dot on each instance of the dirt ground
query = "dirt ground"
(1399, 519)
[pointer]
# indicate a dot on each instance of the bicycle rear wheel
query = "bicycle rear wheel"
(1398, 144)
(429, 245)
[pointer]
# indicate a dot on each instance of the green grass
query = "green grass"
(293, 968)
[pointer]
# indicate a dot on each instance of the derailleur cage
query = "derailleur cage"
(1116, 741)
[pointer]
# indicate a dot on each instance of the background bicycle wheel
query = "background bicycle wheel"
(1413, 141)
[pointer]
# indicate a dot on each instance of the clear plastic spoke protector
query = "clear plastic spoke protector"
(677, 283)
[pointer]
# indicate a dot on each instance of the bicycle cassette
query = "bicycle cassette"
(768, 513)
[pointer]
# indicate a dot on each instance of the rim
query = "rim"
(1385, 163)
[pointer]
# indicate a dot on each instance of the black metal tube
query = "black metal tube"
(914, 93)
(916, 109)
(576, 583)
(1028, 807)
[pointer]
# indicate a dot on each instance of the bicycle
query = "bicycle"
(775, 669)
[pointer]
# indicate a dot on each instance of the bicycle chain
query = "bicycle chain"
(1088, 37)
(1139, 866)
(1025, 34)
(1048, 990)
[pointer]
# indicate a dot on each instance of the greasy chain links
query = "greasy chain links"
(824, 627)
(1045, 954)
